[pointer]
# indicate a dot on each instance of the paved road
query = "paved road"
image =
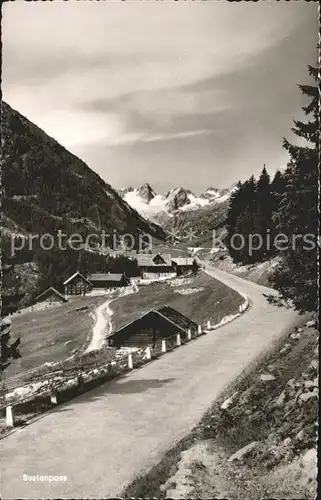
(103, 439)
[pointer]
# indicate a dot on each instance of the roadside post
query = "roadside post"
(148, 353)
(10, 416)
(130, 361)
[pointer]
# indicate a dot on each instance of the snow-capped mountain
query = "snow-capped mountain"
(217, 195)
(160, 207)
(146, 193)
(146, 201)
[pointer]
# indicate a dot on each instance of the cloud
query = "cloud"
(161, 86)
(142, 138)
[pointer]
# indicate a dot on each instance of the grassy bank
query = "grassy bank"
(52, 334)
(200, 298)
(273, 408)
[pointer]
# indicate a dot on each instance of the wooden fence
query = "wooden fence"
(62, 374)
(87, 370)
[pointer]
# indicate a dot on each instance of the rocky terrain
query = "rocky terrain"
(258, 440)
(259, 273)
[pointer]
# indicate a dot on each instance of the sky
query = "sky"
(192, 94)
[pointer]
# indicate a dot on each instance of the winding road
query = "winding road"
(102, 439)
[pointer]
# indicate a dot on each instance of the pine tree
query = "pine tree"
(233, 213)
(297, 214)
(249, 195)
(278, 186)
(242, 221)
(8, 350)
(263, 214)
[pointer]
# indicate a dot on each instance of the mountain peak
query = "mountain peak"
(211, 193)
(177, 198)
(146, 192)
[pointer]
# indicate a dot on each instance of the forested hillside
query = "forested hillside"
(45, 189)
(280, 218)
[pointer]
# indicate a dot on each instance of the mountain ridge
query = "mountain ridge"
(160, 208)
(47, 189)
(38, 170)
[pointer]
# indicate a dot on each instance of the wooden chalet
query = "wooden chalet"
(77, 284)
(49, 297)
(108, 280)
(183, 265)
(151, 327)
(155, 266)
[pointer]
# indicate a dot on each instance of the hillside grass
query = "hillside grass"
(52, 334)
(212, 300)
(174, 251)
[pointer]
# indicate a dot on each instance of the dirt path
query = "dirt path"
(103, 439)
(102, 317)
(103, 323)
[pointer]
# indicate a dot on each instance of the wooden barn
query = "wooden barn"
(49, 297)
(155, 266)
(77, 284)
(108, 280)
(151, 327)
(183, 265)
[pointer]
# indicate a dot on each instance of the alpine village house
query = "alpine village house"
(150, 267)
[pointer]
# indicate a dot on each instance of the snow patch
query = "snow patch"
(189, 291)
(25, 391)
(181, 281)
(124, 351)
(156, 206)
(163, 203)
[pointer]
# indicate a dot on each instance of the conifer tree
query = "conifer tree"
(264, 214)
(8, 350)
(242, 221)
(277, 190)
(233, 213)
(297, 213)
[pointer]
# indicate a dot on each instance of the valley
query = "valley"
(168, 390)
(146, 331)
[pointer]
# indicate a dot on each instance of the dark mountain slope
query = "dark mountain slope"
(45, 188)
(42, 180)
